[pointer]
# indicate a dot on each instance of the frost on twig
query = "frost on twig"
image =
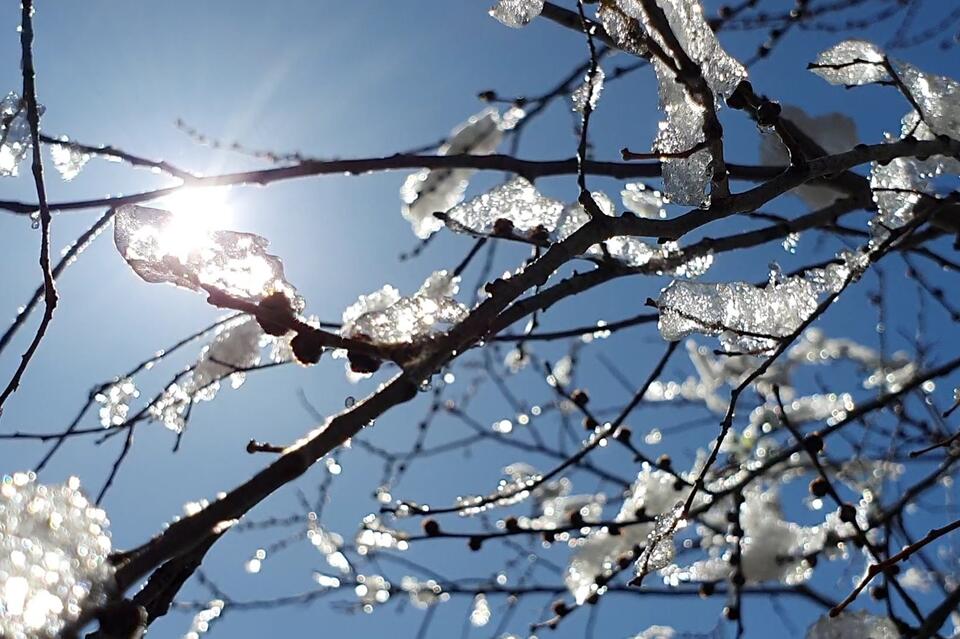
(54, 546)
(435, 190)
(516, 13)
(387, 318)
(517, 207)
(163, 247)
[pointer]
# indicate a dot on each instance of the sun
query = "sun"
(196, 212)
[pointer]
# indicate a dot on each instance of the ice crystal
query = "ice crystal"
(162, 247)
(516, 200)
(204, 619)
(589, 89)
(643, 201)
(435, 190)
(68, 159)
(14, 134)
(516, 13)
(834, 132)
(890, 373)
(900, 184)
(829, 407)
(114, 401)
(54, 546)
(853, 624)
(386, 317)
(851, 62)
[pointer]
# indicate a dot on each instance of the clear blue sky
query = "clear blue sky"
(341, 79)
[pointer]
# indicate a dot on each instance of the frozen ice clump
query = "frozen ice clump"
(385, 317)
(516, 13)
(54, 548)
(852, 63)
(516, 200)
(853, 624)
(436, 190)
(163, 247)
(235, 348)
(68, 159)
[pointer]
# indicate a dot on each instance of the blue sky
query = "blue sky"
(348, 79)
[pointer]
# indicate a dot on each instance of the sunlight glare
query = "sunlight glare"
(196, 213)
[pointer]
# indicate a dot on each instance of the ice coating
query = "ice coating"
(851, 63)
(436, 190)
(385, 317)
(204, 619)
(162, 247)
(54, 546)
(423, 593)
(720, 70)
(516, 200)
(900, 184)
(372, 590)
(591, 88)
(516, 13)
